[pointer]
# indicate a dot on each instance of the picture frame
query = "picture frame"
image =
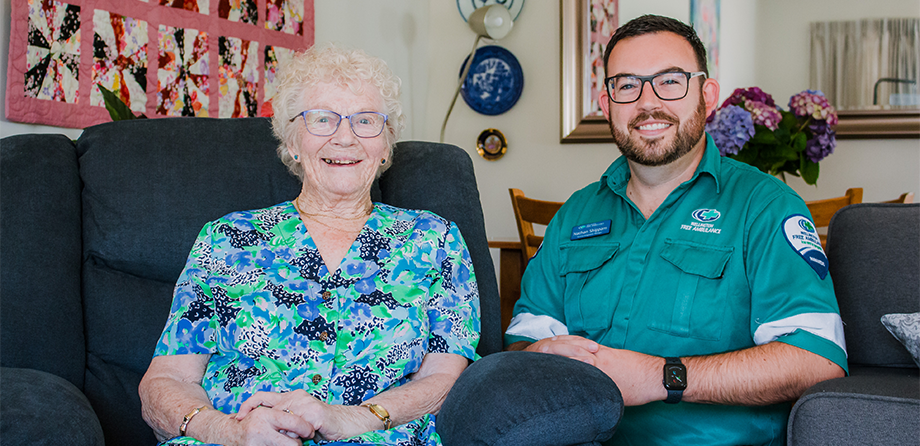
(582, 122)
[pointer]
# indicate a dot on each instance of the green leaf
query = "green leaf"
(809, 171)
(118, 110)
(747, 155)
(763, 136)
(799, 142)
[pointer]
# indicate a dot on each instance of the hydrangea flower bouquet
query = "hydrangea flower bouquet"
(750, 128)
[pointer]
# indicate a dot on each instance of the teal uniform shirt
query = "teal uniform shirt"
(730, 260)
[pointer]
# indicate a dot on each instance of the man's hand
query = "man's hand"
(638, 376)
(574, 347)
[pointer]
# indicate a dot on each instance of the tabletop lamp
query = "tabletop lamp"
(492, 21)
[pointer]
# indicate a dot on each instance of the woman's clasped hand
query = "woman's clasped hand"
(327, 421)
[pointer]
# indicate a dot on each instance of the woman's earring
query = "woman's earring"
(383, 161)
(295, 157)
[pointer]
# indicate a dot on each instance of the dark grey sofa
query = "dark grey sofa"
(874, 256)
(94, 233)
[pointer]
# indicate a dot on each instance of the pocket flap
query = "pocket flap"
(693, 258)
(582, 257)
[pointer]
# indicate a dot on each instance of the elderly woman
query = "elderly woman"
(328, 317)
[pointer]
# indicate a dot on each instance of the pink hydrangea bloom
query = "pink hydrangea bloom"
(763, 114)
(813, 103)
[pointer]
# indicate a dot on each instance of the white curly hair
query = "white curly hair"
(329, 63)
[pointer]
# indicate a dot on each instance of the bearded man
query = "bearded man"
(695, 282)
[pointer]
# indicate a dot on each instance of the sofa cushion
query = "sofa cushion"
(40, 256)
(39, 408)
(906, 328)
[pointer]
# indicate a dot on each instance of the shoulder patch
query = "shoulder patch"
(802, 236)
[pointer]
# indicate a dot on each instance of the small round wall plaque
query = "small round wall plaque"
(491, 144)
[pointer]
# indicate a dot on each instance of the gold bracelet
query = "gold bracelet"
(186, 419)
(381, 413)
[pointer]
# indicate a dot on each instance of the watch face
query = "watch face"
(675, 377)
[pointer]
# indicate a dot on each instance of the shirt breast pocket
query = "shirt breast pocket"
(588, 303)
(691, 305)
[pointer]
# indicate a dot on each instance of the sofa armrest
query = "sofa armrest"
(872, 406)
(41, 408)
(530, 399)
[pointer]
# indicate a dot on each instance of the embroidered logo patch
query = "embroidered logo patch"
(802, 236)
(703, 223)
(706, 215)
(591, 230)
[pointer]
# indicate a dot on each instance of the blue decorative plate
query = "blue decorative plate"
(495, 81)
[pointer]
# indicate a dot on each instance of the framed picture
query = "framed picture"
(586, 27)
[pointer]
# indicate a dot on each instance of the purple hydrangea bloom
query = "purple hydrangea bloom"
(730, 129)
(740, 95)
(822, 142)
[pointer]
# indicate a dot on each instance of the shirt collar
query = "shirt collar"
(617, 175)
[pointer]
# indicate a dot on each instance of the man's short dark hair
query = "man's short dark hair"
(650, 24)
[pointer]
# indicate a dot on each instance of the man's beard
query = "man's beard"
(654, 153)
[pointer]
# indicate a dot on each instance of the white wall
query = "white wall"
(394, 30)
(764, 43)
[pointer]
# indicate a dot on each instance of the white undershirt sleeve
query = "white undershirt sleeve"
(535, 327)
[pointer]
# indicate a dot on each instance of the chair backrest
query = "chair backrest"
(823, 210)
(874, 260)
(906, 197)
(528, 212)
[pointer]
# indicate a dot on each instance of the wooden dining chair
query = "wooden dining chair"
(515, 255)
(527, 212)
(906, 197)
(823, 210)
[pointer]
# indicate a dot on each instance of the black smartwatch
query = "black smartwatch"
(675, 379)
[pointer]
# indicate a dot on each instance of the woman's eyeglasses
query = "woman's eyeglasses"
(366, 124)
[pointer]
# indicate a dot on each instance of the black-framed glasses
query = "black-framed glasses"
(367, 124)
(668, 86)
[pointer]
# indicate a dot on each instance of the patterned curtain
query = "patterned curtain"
(869, 62)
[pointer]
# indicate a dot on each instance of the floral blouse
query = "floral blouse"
(256, 295)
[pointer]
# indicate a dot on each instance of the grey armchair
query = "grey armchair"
(874, 256)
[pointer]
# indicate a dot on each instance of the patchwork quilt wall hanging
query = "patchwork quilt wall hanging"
(163, 58)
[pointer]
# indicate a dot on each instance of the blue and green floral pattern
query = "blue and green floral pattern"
(256, 295)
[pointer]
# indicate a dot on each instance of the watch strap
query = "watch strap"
(674, 396)
(381, 413)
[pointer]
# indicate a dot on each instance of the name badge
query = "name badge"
(591, 230)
